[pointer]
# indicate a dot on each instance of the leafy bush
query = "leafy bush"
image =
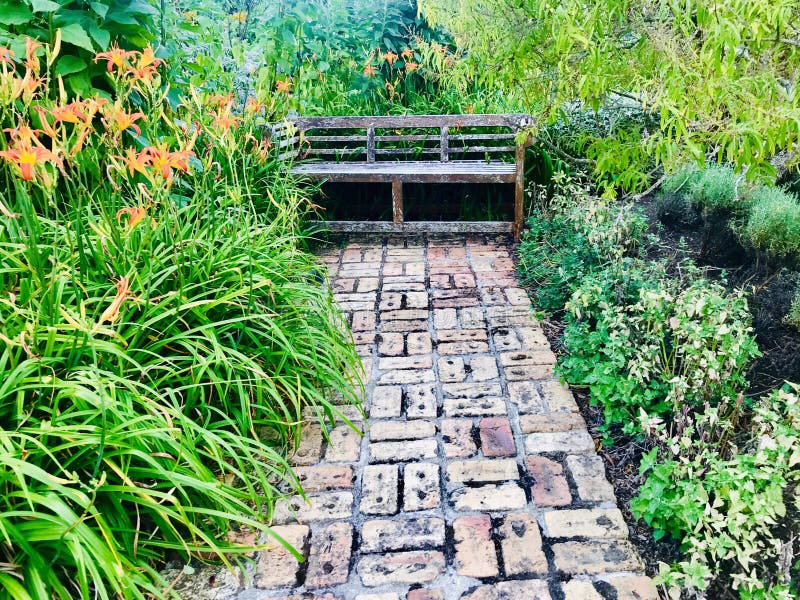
(793, 317)
(715, 188)
(161, 338)
(734, 512)
(773, 224)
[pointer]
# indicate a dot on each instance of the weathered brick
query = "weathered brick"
(526, 372)
(329, 556)
(471, 390)
(475, 556)
(402, 451)
(461, 335)
(405, 326)
(384, 596)
(527, 357)
(276, 567)
(596, 556)
(551, 421)
(419, 343)
(451, 369)
(416, 300)
(426, 594)
(445, 318)
(462, 347)
(472, 318)
(404, 315)
(391, 301)
(634, 588)
(468, 471)
(379, 485)
(367, 284)
(401, 567)
(468, 407)
(529, 589)
(319, 507)
(533, 338)
(363, 320)
(210, 582)
(496, 437)
(344, 445)
(505, 339)
(457, 438)
(464, 280)
(594, 523)
(324, 478)
(550, 487)
(420, 401)
(517, 297)
(527, 398)
(589, 475)
(421, 487)
(391, 344)
(504, 496)
(521, 545)
(344, 285)
(310, 448)
(416, 533)
(558, 397)
(577, 441)
(387, 402)
(484, 368)
(401, 430)
(412, 376)
(492, 296)
(420, 361)
(580, 589)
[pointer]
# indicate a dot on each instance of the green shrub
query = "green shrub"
(773, 224)
(681, 181)
(793, 318)
(733, 512)
(716, 189)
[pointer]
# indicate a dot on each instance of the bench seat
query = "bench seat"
(454, 171)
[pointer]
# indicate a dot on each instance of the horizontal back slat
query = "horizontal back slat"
(513, 121)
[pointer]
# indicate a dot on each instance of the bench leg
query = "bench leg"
(397, 201)
(519, 191)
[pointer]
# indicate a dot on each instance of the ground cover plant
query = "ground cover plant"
(664, 352)
(162, 329)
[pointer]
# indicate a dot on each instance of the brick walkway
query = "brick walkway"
(475, 477)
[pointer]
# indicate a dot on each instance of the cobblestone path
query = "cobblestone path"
(476, 477)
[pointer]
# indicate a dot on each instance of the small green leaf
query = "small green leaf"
(44, 6)
(76, 35)
(68, 64)
(100, 8)
(14, 13)
(101, 37)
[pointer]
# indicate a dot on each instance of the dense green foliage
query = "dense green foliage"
(161, 337)
(719, 78)
(665, 353)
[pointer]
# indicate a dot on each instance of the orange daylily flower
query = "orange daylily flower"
(369, 70)
(164, 161)
(390, 57)
(407, 54)
(135, 215)
(7, 57)
(225, 121)
(283, 86)
(116, 57)
(111, 313)
(411, 67)
(31, 60)
(117, 120)
(135, 161)
(25, 156)
(253, 106)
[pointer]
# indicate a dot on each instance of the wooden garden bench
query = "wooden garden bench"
(410, 149)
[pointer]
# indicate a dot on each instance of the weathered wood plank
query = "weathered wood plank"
(415, 226)
(371, 144)
(488, 149)
(513, 121)
(397, 201)
(444, 143)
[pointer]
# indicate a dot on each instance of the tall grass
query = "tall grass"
(160, 337)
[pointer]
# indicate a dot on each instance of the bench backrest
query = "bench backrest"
(397, 137)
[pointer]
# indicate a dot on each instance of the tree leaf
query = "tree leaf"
(14, 13)
(100, 8)
(44, 6)
(68, 64)
(100, 36)
(76, 35)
